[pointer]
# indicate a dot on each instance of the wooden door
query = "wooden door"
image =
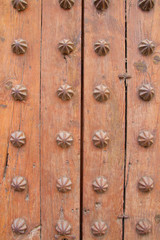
(79, 111)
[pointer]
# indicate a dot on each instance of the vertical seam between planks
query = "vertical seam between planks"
(82, 120)
(126, 106)
(40, 116)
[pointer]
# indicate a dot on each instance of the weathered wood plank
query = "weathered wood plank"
(16, 115)
(58, 115)
(108, 116)
(142, 116)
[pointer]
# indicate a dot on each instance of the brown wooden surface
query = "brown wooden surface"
(108, 116)
(58, 115)
(20, 115)
(142, 116)
(43, 115)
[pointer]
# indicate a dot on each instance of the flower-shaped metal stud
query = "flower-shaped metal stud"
(66, 4)
(20, 5)
(66, 46)
(19, 183)
(100, 185)
(146, 47)
(146, 5)
(19, 92)
(145, 139)
(101, 4)
(65, 92)
(99, 228)
(146, 92)
(18, 139)
(145, 184)
(64, 139)
(144, 227)
(101, 47)
(64, 184)
(100, 139)
(67, 237)
(101, 93)
(19, 226)
(19, 46)
(63, 227)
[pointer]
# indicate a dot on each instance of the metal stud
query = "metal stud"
(20, 5)
(19, 226)
(146, 47)
(100, 139)
(146, 5)
(101, 47)
(19, 92)
(66, 4)
(64, 139)
(101, 4)
(145, 139)
(146, 92)
(144, 227)
(64, 184)
(99, 228)
(66, 46)
(68, 237)
(19, 46)
(63, 227)
(100, 185)
(65, 92)
(18, 139)
(101, 93)
(19, 183)
(145, 184)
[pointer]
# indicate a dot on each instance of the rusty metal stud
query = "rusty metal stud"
(101, 93)
(68, 237)
(19, 46)
(101, 47)
(145, 184)
(100, 185)
(99, 228)
(146, 47)
(146, 92)
(64, 139)
(66, 46)
(144, 227)
(18, 139)
(101, 4)
(100, 139)
(146, 5)
(145, 139)
(64, 184)
(66, 4)
(19, 226)
(63, 227)
(19, 92)
(65, 92)
(20, 5)
(19, 183)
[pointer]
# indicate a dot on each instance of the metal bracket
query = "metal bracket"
(124, 76)
(124, 216)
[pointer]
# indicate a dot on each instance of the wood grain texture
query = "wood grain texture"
(142, 116)
(20, 115)
(58, 115)
(108, 116)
